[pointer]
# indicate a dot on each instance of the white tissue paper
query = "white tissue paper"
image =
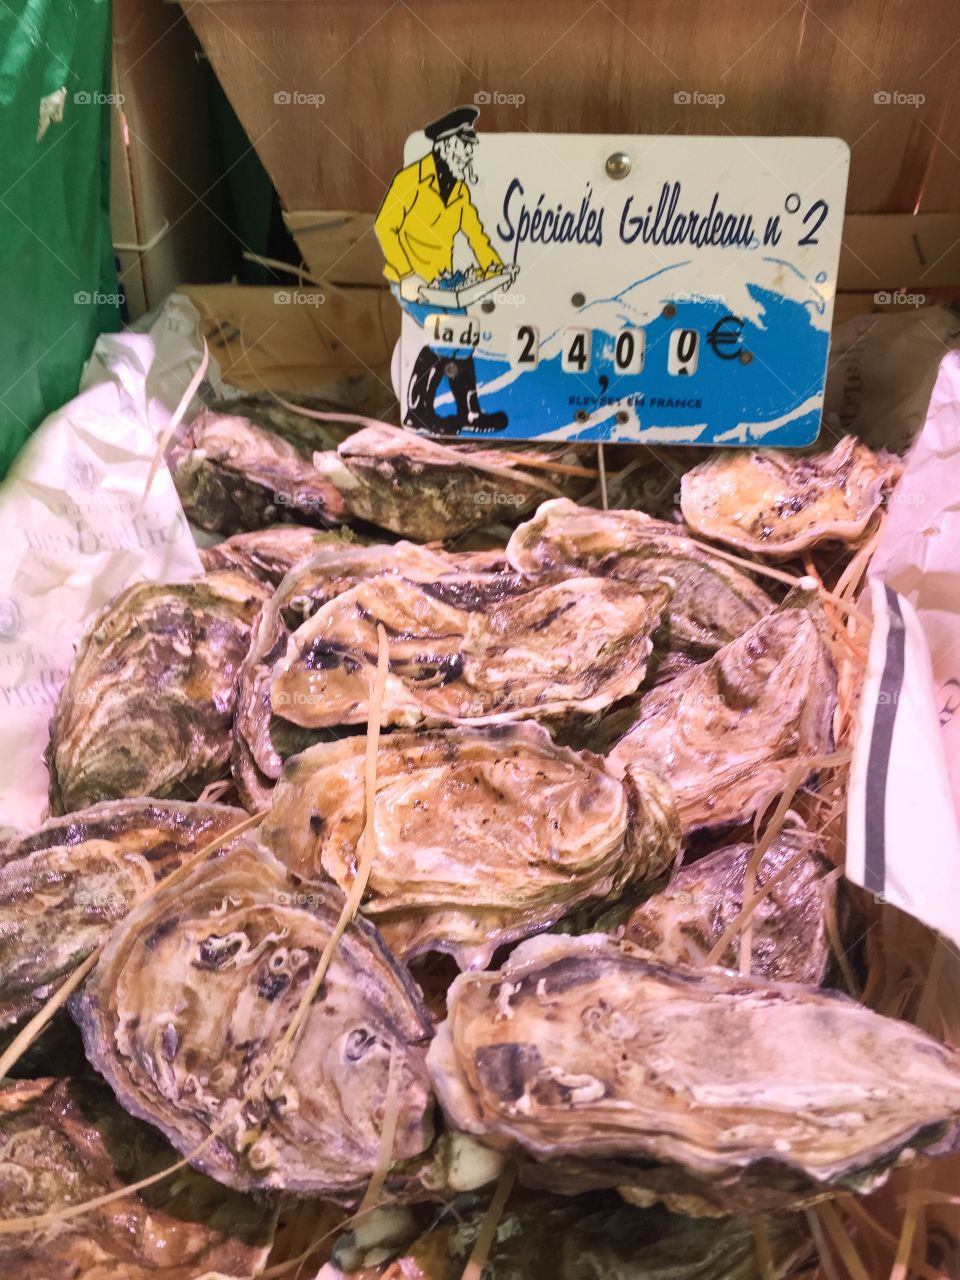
(75, 529)
(903, 840)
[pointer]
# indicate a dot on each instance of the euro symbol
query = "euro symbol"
(723, 335)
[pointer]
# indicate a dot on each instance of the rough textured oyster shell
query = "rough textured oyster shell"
(712, 601)
(598, 1237)
(726, 733)
(66, 1141)
(261, 740)
(63, 888)
(148, 705)
(232, 475)
(481, 649)
(777, 503)
(195, 989)
(483, 835)
(712, 1091)
(425, 490)
(683, 923)
(265, 410)
(268, 555)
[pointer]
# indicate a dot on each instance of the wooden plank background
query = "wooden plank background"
(782, 67)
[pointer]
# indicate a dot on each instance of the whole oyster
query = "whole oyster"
(233, 475)
(713, 1092)
(63, 888)
(777, 503)
(65, 1142)
(598, 1237)
(684, 922)
(712, 601)
(148, 705)
(425, 490)
(482, 648)
(263, 741)
(727, 733)
(191, 996)
(483, 835)
(268, 555)
(266, 410)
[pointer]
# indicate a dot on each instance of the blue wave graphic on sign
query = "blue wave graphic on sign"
(754, 381)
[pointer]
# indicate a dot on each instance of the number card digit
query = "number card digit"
(576, 351)
(684, 352)
(628, 351)
(525, 347)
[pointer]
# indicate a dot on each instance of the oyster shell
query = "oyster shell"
(191, 996)
(425, 490)
(233, 475)
(727, 733)
(483, 835)
(64, 887)
(777, 503)
(684, 922)
(266, 410)
(261, 740)
(714, 1092)
(598, 1236)
(148, 705)
(268, 555)
(464, 648)
(712, 603)
(67, 1141)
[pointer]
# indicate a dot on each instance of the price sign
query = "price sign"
(583, 287)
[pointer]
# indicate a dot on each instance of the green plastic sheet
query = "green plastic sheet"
(58, 284)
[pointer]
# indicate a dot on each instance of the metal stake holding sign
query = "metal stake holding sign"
(673, 290)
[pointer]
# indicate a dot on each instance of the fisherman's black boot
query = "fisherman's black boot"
(469, 413)
(424, 383)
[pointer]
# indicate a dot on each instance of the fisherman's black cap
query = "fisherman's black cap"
(460, 120)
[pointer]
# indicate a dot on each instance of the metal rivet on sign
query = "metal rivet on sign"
(746, 357)
(622, 416)
(669, 310)
(450, 368)
(578, 299)
(618, 165)
(582, 415)
(487, 305)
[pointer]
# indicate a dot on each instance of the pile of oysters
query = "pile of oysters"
(584, 715)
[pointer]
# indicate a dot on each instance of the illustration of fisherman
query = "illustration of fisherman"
(427, 204)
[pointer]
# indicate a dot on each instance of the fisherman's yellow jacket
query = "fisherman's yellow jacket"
(416, 229)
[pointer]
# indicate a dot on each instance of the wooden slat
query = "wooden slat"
(891, 251)
(783, 66)
(338, 245)
(286, 338)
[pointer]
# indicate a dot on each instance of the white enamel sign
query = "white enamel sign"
(583, 287)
